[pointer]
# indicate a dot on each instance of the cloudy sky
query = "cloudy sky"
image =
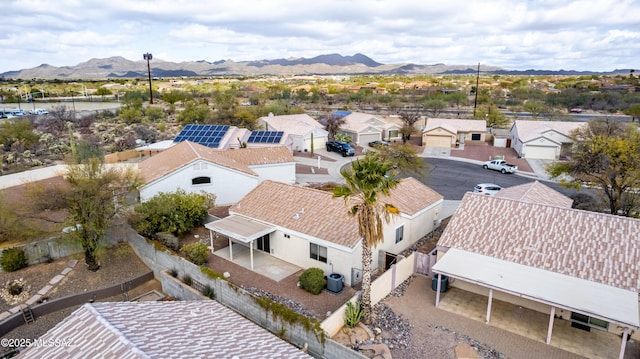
(598, 35)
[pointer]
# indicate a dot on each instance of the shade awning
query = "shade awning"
(240, 228)
(587, 297)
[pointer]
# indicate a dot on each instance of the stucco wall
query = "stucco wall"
(229, 186)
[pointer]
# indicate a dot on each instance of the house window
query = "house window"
(589, 321)
(318, 252)
(200, 180)
(393, 134)
(475, 137)
(399, 233)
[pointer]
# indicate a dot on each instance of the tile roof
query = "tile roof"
(535, 192)
(298, 124)
(181, 329)
(186, 152)
(316, 213)
(530, 130)
(587, 245)
(457, 125)
(358, 121)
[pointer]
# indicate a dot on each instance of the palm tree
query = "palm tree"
(364, 183)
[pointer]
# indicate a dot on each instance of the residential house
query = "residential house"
(225, 137)
(364, 128)
(305, 132)
(570, 264)
(310, 228)
(449, 132)
(542, 139)
(178, 329)
(229, 174)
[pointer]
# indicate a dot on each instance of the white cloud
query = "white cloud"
(520, 34)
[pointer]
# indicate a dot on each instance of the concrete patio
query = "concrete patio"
(263, 263)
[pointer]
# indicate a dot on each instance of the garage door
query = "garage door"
(365, 138)
(540, 152)
(318, 142)
(438, 141)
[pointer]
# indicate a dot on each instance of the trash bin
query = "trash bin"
(444, 283)
(335, 282)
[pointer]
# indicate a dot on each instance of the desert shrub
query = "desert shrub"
(13, 259)
(312, 280)
(207, 291)
(173, 272)
(186, 279)
(168, 240)
(171, 212)
(47, 197)
(353, 314)
(197, 253)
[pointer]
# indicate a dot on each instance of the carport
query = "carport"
(239, 229)
(577, 295)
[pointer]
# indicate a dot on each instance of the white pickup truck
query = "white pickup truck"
(500, 165)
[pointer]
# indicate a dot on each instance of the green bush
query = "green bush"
(186, 279)
(176, 213)
(353, 314)
(312, 280)
(197, 253)
(207, 291)
(13, 259)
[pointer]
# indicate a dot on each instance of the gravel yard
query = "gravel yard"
(119, 264)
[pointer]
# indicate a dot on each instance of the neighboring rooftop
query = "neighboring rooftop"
(587, 245)
(456, 125)
(529, 130)
(317, 213)
(536, 192)
(186, 152)
(180, 329)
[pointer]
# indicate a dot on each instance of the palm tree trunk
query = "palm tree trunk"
(366, 282)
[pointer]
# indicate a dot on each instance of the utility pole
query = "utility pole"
(475, 103)
(148, 57)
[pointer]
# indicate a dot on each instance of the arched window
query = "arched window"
(201, 180)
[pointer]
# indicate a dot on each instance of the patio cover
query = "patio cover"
(241, 229)
(594, 299)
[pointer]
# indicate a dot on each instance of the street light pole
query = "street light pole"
(148, 57)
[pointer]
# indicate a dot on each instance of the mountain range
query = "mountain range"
(331, 64)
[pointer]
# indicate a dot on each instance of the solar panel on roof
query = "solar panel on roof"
(206, 135)
(265, 137)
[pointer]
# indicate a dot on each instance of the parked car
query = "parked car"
(341, 147)
(38, 111)
(488, 189)
(576, 110)
(500, 165)
(378, 143)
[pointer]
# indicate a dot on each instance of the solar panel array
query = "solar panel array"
(206, 135)
(265, 137)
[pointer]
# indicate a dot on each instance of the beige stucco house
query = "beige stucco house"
(542, 139)
(528, 247)
(364, 128)
(228, 174)
(448, 132)
(310, 228)
(303, 130)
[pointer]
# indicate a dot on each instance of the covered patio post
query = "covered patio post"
(230, 250)
(623, 345)
(489, 305)
(551, 316)
(211, 240)
(438, 290)
(251, 253)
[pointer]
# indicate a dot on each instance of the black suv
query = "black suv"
(341, 147)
